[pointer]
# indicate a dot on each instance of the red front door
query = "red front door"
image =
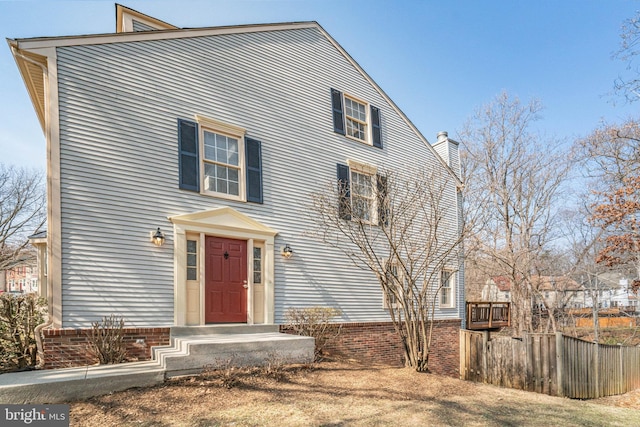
(226, 278)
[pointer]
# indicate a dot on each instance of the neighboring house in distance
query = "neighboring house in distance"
(560, 292)
(211, 141)
(21, 276)
(554, 291)
(497, 288)
(613, 289)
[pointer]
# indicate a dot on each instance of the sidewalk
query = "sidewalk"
(61, 385)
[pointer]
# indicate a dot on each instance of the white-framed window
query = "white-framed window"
(218, 159)
(447, 288)
(356, 118)
(359, 186)
(363, 197)
(221, 168)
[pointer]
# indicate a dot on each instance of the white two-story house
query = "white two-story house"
(180, 168)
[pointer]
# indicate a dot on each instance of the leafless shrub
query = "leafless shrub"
(314, 322)
(274, 367)
(19, 316)
(106, 340)
(226, 371)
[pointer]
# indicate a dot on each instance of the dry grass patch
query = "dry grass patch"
(338, 394)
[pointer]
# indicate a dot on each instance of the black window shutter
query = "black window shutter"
(253, 149)
(376, 132)
(383, 200)
(338, 113)
(344, 192)
(188, 155)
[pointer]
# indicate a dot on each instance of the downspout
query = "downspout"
(49, 320)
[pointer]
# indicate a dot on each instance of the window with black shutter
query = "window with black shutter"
(216, 159)
(356, 119)
(338, 114)
(344, 192)
(188, 155)
(254, 170)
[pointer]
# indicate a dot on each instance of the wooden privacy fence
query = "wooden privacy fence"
(553, 364)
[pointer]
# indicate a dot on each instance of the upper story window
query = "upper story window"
(356, 119)
(362, 196)
(217, 159)
(362, 193)
(447, 289)
(222, 170)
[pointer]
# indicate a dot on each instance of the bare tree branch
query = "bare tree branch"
(22, 210)
(415, 235)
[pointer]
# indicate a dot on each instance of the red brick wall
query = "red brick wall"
(65, 348)
(379, 343)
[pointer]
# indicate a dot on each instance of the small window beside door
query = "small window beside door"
(257, 265)
(192, 260)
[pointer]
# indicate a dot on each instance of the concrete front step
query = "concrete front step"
(191, 353)
(181, 331)
(195, 353)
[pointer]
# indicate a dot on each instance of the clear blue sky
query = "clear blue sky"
(438, 60)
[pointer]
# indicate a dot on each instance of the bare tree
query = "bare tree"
(610, 159)
(22, 210)
(583, 243)
(628, 84)
(514, 182)
(406, 229)
(610, 154)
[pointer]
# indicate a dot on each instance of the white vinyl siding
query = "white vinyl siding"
(119, 104)
(140, 26)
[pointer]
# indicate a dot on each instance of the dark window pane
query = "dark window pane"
(191, 260)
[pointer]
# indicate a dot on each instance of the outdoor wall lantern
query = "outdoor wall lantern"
(158, 237)
(287, 252)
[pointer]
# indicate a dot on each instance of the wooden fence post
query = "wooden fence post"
(596, 371)
(485, 350)
(559, 362)
(463, 354)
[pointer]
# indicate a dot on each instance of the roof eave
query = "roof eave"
(33, 69)
(96, 39)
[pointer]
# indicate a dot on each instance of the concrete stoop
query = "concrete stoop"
(193, 354)
(192, 350)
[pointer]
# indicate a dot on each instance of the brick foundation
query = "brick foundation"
(65, 348)
(366, 342)
(379, 343)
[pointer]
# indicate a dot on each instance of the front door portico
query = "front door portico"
(213, 288)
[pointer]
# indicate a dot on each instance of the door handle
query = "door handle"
(245, 285)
